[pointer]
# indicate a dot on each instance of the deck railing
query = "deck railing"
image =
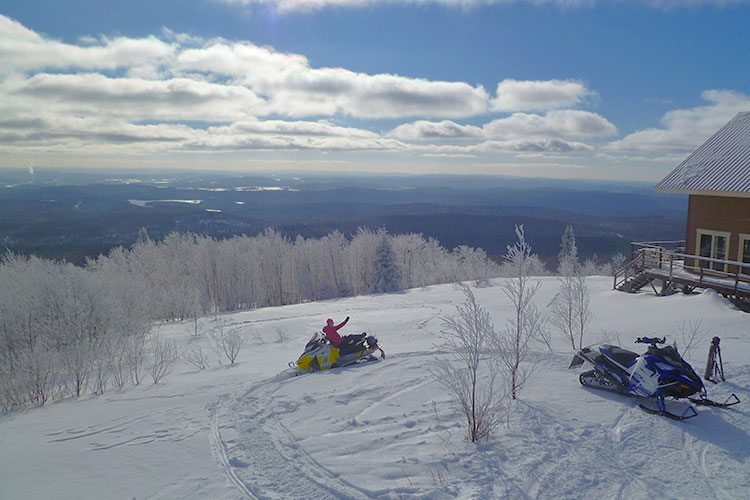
(669, 259)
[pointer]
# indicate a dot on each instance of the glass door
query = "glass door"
(713, 244)
(745, 252)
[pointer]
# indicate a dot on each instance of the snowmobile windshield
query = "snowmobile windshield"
(317, 338)
(669, 354)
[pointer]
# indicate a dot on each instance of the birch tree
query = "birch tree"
(526, 323)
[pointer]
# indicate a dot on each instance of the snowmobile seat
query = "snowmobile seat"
(620, 355)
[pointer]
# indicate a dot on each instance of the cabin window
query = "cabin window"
(744, 253)
(713, 244)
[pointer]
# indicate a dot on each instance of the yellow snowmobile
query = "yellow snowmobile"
(321, 355)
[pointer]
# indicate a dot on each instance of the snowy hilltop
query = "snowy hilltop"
(387, 429)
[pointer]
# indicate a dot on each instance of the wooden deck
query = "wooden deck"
(663, 263)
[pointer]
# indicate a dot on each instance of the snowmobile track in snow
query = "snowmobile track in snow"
(264, 462)
(219, 451)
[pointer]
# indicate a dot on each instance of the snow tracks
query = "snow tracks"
(261, 457)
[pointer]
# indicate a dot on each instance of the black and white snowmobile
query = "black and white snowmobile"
(657, 374)
(319, 354)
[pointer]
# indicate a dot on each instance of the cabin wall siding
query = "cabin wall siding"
(717, 213)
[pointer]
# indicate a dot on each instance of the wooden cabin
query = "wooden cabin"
(717, 179)
(716, 251)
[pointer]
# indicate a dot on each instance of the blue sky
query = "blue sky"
(556, 88)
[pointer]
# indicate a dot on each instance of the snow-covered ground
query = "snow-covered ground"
(385, 430)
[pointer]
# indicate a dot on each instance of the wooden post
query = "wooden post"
(671, 265)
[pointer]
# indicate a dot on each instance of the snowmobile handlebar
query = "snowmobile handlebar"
(650, 340)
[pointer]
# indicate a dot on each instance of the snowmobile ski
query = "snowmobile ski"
(730, 401)
(688, 413)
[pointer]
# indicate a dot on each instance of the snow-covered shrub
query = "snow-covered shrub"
(161, 357)
(196, 357)
(231, 341)
(691, 335)
(472, 377)
(282, 335)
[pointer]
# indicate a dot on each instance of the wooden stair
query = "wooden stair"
(635, 283)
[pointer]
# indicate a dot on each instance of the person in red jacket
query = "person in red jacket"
(344, 344)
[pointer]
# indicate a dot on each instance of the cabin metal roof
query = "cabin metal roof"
(720, 167)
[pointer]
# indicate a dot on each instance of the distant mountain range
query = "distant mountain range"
(74, 214)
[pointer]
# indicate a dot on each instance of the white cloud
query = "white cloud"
(535, 145)
(143, 95)
(50, 130)
(446, 129)
(137, 99)
(296, 89)
(567, 123)
(301, 128)
(22, 50)
(528, 95)
(540, 145)
(685, 129)
(279, 135)
(558, 124)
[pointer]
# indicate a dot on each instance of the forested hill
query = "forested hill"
(73, 214)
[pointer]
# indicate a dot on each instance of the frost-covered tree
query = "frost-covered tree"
(526, 322)
(562, 307)
(562, 311)
(534, 267)
(386, 276)
(65, 330)
(333, 248)
(410, 257)
(143, 235)
(581, 304)
(568, 255)
(472, 377)
(361, 254)
(570, 311)
(473, 264)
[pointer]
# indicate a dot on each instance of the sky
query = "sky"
(594, 89)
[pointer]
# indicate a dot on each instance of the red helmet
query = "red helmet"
(329, 322)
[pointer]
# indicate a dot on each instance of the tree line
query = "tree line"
(66, 330)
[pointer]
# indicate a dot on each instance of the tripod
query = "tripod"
(712, 367)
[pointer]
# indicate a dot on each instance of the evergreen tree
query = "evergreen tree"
(143, 236)
(568, 255)
(386, 276)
